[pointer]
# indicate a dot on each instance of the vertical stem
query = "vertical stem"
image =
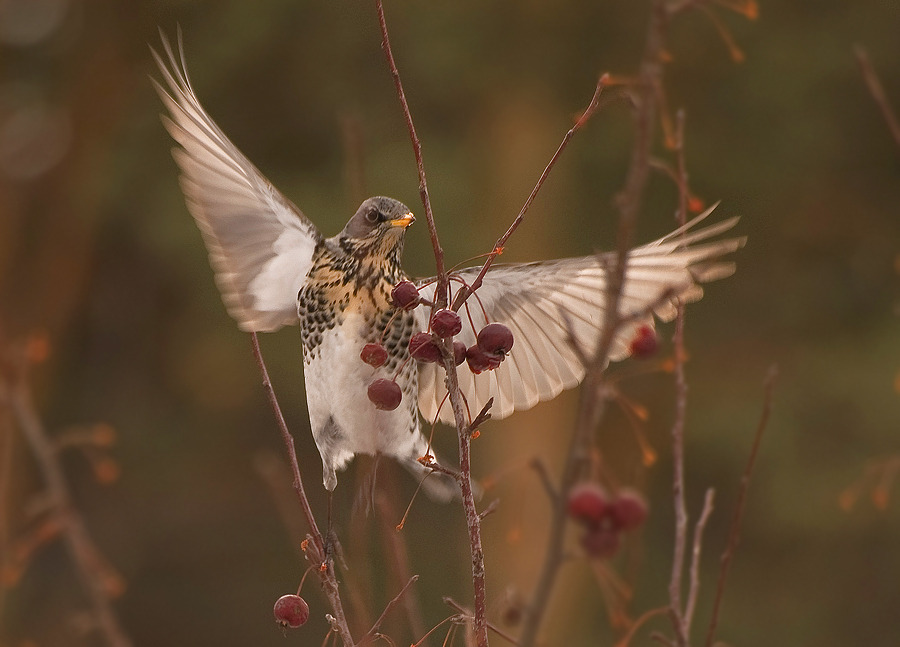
(326, 576)
(734, 530)
(473, 521)
(592, 405)
(676, 609)
(464, 478)
(440, 292)
(681, 516)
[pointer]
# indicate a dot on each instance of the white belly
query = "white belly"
(344, 421)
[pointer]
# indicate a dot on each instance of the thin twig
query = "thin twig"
(734, 530)
(455, 619)
(278, 479)
(877, 91)
(395, 545)
(468, 614)
(681, 388)
(694, 589)
(442, 282)
(387, 609)
(490, 509)
(467, 290)
(483, 416)
(464, 478)
(326, 575)
(640, 622)
(540, 467)
(96, 575)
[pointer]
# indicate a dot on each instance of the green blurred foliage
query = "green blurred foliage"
(98, 252)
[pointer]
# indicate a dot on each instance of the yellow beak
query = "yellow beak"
(403, 221)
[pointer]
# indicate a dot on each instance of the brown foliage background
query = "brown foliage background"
(98, 253)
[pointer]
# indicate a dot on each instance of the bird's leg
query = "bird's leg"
(332, 544)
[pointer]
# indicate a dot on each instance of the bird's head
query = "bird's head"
(378, 227)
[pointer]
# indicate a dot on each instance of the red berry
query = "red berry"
(480, 361)
(459, 352)
(423, 348)
(374, 355)
(495, 339)
(601, 542)
(628, 510)
(588, 502)
(645, 343)
(405, 295)
(385, 394)
(291, 611)
(446, 323)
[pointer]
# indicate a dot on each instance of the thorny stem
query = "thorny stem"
(464, 477)
(316, 553)
(734, 531)
(591, 407)
(95, 574)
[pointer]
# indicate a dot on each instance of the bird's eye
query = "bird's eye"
(372, 216)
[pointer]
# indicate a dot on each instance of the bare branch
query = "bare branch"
(387, 609)
(468, 614)
(317, 550)
(541, 468)
(491, 508)
(442, 282)
(694, 590)
(591, 408)
(97, 576)
(483, 416)
(681, 515)
(466, 291)
(395, 545)
(734, 531)
(464, 439)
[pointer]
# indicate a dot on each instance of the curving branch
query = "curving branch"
(100, 581)
(315, 549)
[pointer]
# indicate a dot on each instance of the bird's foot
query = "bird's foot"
(334, 552)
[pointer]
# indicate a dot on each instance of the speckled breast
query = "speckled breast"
(352, 294)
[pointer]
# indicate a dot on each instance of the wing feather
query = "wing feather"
(534, 300)
(260, 245)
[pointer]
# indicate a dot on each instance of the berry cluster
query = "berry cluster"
(493, 344)
(605, 518)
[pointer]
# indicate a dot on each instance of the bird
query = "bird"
(274, 268)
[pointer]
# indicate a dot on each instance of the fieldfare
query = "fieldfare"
(274, 268)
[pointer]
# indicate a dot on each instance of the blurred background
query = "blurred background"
(103, 268)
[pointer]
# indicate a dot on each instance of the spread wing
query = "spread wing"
(260, 245)
(534, 300)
